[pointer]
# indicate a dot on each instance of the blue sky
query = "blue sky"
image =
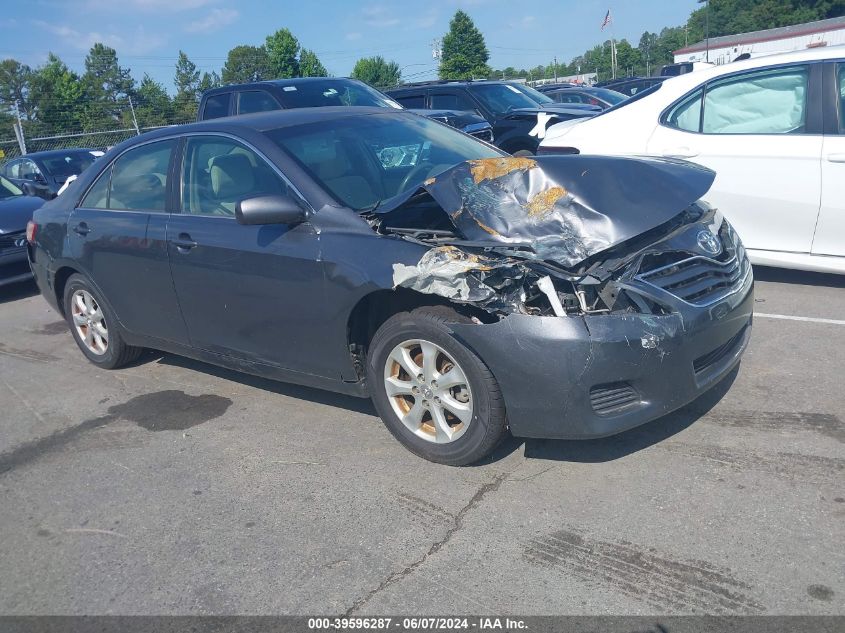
(149, 33)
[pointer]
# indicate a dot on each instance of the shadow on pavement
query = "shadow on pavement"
(14, 292)
(319, 396)
(617, 446)
(587, 451)
(803, 277)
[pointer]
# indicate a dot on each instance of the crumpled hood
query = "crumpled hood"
(564, 208)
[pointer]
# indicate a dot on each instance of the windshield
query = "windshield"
(535, 95)
(502, 98)
(364, 159)
(609, 96)
(71, 164)
(8, 189)
(333, 92)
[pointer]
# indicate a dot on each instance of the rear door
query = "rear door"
(252, 292)
(118, 234)
(830, 232)
(760, 131)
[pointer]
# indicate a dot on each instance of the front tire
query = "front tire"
(94, 326)
(434, 394)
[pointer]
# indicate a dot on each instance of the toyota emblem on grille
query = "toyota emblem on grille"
(709, 243)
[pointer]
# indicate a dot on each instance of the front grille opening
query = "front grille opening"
(7, 240)
(613, 397)
(711, 358)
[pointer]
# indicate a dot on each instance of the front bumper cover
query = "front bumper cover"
(555, 372)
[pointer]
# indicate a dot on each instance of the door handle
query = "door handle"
(184, 243)
(679, 152)
(81, 229)
(836, 158)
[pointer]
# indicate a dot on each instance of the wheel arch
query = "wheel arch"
(373, 309)
(60, 277)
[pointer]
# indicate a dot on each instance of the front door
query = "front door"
(830, 232)
(118, 234)
(755, 131)
(254, 292)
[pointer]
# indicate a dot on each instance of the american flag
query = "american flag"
(607, 20)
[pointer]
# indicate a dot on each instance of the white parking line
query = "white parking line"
(788, 317)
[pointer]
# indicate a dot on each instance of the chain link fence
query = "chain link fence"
(120, 124)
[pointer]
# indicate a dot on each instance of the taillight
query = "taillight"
(31, 228)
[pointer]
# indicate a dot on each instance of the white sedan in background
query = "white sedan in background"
(773, 130)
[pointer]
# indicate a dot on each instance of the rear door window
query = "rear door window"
(136, 181)
(256, 101)
(217, 106)
(412, 101)
(450, 101)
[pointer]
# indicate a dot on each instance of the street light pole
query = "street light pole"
(706, 29)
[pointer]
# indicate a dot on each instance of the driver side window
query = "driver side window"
(217, 172)
(771, 101)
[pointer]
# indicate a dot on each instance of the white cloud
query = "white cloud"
(138, 43)
(353, 36)
(151, 5)
(427, 21)
(379, 17)
(217, 19)
(528, 21)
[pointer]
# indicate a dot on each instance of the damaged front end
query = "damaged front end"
(614, 291)
(556, 235)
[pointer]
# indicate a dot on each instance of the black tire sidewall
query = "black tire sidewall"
(115, 347)
(467, 448)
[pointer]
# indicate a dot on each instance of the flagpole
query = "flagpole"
(612, 47)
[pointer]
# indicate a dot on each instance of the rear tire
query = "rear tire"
(456, 421)
(94, 326)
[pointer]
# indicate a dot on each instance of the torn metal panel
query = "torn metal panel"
(489, 282)
(563, 208)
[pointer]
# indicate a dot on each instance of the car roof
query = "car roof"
(58, 152)
(295, 81)
(697, 77)
(274, 119)
(450, 84)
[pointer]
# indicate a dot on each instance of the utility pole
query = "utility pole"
(19, 129)
(134, 119)
(555, 68)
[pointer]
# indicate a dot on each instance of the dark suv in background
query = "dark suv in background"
(518, 120)
(310, 92)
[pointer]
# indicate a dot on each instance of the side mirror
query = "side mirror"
(269, 210)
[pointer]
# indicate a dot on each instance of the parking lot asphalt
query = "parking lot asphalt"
(174, 487)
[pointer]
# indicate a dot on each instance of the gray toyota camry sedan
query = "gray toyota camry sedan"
(385, 255)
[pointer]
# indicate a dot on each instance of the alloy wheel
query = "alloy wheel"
(89, 322)
(428, 391)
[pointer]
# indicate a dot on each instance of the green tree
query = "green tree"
(464, 51)
(107, 88)
(245, 64)
(15, 79)
(282, 53)
(377, 72)
(154, 106)
(57, 95)
(187, 89)
(208, 81)
(310, 66)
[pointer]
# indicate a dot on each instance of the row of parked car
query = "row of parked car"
(464, 285)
